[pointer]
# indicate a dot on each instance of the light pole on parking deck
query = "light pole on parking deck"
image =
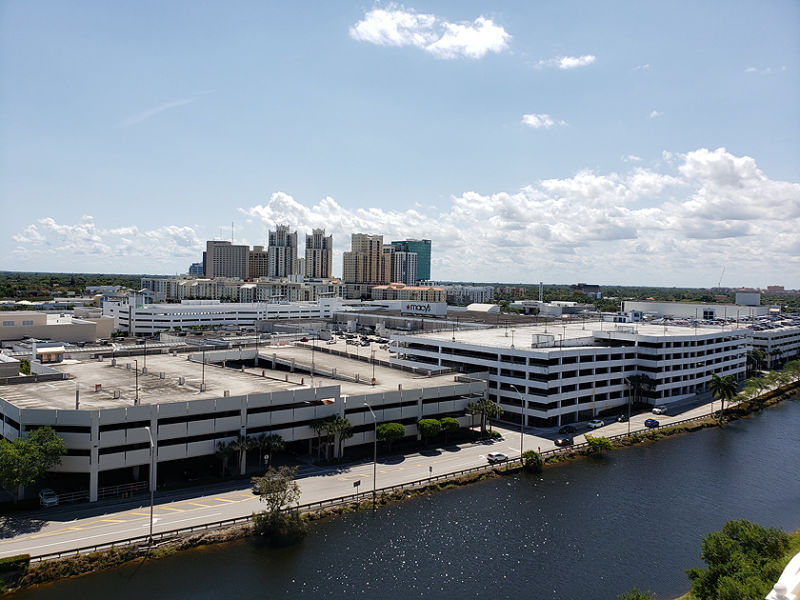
(152, 477)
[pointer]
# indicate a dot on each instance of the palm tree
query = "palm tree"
(755, 360)
(486, 409)
(268, 444)
(722, 388)
(344, 428)
(319, 426)
(225, 450)
(240, 446)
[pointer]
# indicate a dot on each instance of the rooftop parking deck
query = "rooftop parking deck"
(99, 382)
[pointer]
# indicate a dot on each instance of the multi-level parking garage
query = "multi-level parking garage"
(103, 408)
(569, 372)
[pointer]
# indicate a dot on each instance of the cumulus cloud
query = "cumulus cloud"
(631, 158)
(668, 226)
(541, 120)
(397, 26)
(567, 62)
(655, 114)
(47, 237)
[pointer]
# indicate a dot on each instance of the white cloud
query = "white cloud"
(675, 225)
(396, 26)
(631, 158)
(644, 67)
(150, 112)
(567, 62)
(751, 70)
(541, 120)
(655, 114)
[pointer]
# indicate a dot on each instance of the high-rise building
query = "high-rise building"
(196, 269)
(258, 262)
(365, 263)
(319, 254)
(402, 266)
(282, 252)
(423, 251)
(223, 259)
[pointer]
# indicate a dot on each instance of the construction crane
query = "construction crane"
(719, 283)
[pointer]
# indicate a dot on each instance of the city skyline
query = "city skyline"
(653, 145)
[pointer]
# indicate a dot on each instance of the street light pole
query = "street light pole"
(136, 378)
(152, 478)
(522, 421)
(628, 381)
(374, 458)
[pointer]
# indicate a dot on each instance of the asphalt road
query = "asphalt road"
(65, 528)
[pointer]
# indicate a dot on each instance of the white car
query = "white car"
(496, 457)
(48, 498)
(595, 423)
(659, 410)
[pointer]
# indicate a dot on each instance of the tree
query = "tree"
(343, 428)
(755, 361)
(25, 460)
(428, 428)
(280, 523)
(390, 433)
(320, 427)
(486, 409)
(240, 446)
(25, 367)
(449, 425)
(225, 450)
(743, 561)
(639, 384)
(722, 388)
(277, 488)
(268, 444)
(599, 444)
(532, 461)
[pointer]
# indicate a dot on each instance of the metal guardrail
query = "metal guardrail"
(332, 502)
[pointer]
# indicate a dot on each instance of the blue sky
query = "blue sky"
(619, 142)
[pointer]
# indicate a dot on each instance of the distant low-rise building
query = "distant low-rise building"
(19, 325)
(400, 291)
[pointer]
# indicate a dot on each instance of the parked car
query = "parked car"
(651, 423)
(622, 419)
(48, 497)
(595, 423)
(659, 410)
(331, 341)
(567, 429)
(564, 441)
(496, 457)
(305, 339)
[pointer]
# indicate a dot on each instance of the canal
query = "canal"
(590, 529)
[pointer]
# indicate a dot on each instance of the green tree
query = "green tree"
(240, 446)
(449, 425)
(599, 444)
(280, 523)
(390, 433)
(225, 450)
(268, 444)
(25, 367)
(532, 461)
(25, 460)
(755, 361)
(320, 427)
(343, 429)
(486, 409)
(429, 428)
(722, 388)
(743, 561)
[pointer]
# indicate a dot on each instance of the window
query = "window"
(27, 322)
(8, 323)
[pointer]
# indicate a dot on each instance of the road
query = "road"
(65, 528)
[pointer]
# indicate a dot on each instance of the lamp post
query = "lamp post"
(372, 358)
(522, 421)
(136, 378)
(203, 377)
(152, 478)
(628, 381)
(144, 368)
(374, 458)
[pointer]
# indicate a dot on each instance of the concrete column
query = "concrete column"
(94, 455)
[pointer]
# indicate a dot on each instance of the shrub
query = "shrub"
(532, 461)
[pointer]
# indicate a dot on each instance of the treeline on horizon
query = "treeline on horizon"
(40, 286)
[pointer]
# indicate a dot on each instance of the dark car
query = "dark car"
(651, 423)
(622, 419)
(564, 441)
(567, 429)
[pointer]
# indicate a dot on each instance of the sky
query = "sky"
(628, 142)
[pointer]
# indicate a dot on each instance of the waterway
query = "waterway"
(589, 529)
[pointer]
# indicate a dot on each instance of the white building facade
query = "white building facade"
(571, 374)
